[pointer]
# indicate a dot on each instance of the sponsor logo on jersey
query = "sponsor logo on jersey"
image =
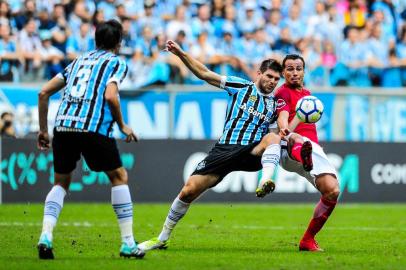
(251, 110)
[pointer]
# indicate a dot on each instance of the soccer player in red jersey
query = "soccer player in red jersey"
(303, 154)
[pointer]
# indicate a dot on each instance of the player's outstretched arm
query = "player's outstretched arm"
(283, 122)
(294, 122)
(112, 98)
(200, 70)
(50, 88)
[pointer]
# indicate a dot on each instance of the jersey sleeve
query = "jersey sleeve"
(64, 75)
(282, 101)
(233, 84)
(119, 72)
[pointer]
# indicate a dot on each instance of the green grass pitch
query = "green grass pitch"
(211, 236)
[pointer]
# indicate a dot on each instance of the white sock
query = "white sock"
(123, 207)
(177, 211)
(52, 209)
(270, 160)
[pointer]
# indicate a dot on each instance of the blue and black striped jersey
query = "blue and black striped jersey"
(83, 105)
(249, 113)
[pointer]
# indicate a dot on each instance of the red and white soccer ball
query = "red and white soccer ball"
(309, 109)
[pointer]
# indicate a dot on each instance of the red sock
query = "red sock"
(320, 216)
(295, 153)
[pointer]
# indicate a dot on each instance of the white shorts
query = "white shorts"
(321, 164)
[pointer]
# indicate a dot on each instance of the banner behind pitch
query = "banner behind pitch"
(369, 172)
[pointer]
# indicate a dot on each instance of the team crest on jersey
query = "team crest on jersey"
(201, 165)
(270, 105)
(252, 98)
(280, 103)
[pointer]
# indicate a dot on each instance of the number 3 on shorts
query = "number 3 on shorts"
(79, 89)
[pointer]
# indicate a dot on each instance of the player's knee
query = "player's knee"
(333, 194)
(118, 176)
(271, 138)
(188, 193)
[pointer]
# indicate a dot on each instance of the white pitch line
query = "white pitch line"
(88, 224)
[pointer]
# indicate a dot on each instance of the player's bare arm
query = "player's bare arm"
(112, 98)
(200, 70)
(283, 122)
(50, 88)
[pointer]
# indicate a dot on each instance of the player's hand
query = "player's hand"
(43, 141)
(284, 132)
(129, 133)
(173, 47)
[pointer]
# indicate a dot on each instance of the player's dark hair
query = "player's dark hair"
(270, 64)
(108, 35)
(292, 57)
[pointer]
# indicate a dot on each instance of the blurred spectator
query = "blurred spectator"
(7, 125)
(202, 22)
(217, 9)
(311, 52)
(227, 48)
(108, 7)
(249, 21)
(52, 57)
(61, 30)
(9, 56)
(179, 23)
(317, 21)
(332, 29)
(328, 56)
(30, 45)
(98, 17)
(352, 68)
(25, 14)
(378, 17)
(141, 65)
(149, 19)
(228, 24)
(80, 42)
(355, 15)
(128, 42)
(284, 45)
(5, 15)
(203, 50)
(273, 27)
(378, 54)
(80, 13)
(297, 27)
(44, 21)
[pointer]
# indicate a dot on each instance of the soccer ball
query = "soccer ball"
(309, 109)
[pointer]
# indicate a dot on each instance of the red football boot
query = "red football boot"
(309, 245)
(306, 155)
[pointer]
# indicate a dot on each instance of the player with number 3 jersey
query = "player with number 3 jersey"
(89, 108)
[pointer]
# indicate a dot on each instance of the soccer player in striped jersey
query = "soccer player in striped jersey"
(245, 144)
(89, 108)
(303, 154)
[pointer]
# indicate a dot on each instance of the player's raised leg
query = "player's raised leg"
(193, 188)
(123, 207)
(269, 148)
(300, 150)
(328, 186)
(52, 209)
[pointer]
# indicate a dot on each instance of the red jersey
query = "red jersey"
(287, 99)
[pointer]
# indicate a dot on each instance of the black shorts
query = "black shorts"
(226, 158)
(100, 152)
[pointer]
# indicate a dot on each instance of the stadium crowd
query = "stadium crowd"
(345, 42)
